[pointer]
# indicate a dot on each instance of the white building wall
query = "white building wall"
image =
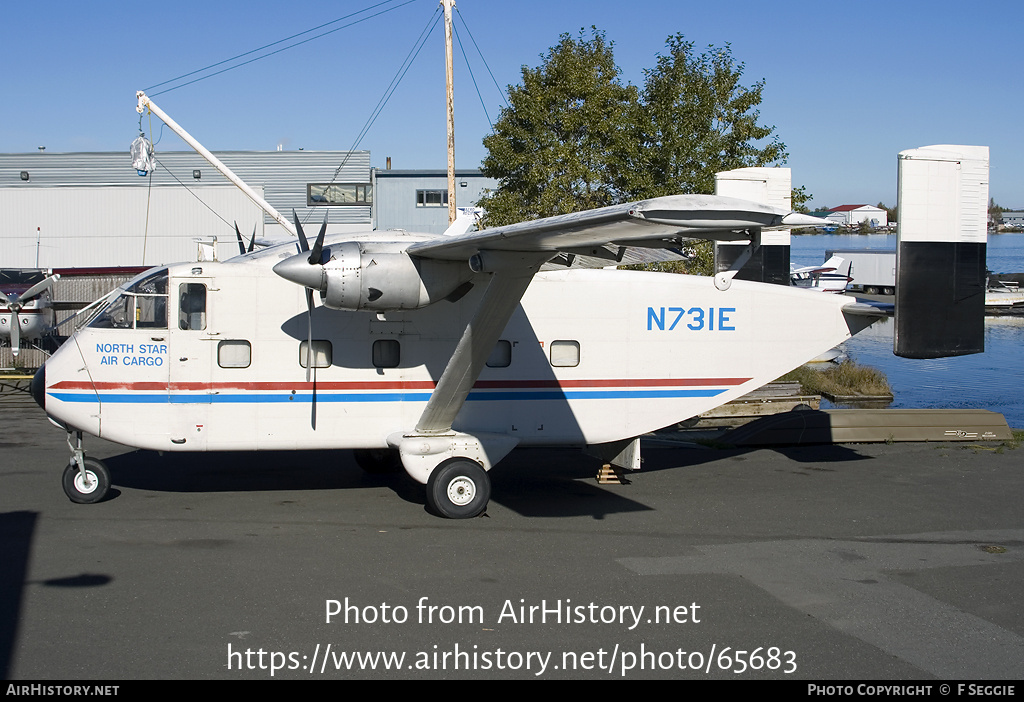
(75, 227)
(90, 208)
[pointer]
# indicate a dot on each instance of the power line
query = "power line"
(481, 54)
(390, 90)
(285, 48)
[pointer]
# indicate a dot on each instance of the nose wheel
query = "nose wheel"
(89, 485)
(458, 488)
(85, 480)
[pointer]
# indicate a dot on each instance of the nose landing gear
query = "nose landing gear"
(85, 480)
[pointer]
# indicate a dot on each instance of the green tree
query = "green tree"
(799, 197)
(561, 145)
(698, 120)
(576, 137)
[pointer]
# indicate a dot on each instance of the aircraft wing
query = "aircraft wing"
(658, 223)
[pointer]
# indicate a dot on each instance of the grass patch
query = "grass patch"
(847, 378)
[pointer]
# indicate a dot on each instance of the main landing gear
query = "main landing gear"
(458, 488)
(85, 480)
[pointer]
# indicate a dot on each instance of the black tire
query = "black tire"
(378, 461)
(84, 493)
(458, 488)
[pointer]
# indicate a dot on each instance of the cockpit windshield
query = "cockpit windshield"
(141, 305)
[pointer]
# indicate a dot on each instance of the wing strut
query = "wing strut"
(511, 276)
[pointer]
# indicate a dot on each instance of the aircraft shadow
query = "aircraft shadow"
(542, 483)
(675, 458)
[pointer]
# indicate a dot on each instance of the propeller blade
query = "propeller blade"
(252, 242)
(241, 244)
(15, 332)
(303, 244)
(37, 288)
(318, 247)
(8, 300)
(309, 358)
(309, 339)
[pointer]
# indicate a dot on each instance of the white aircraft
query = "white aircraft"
(828, 277)
(442, 352)
(26, 309)
(445, 352)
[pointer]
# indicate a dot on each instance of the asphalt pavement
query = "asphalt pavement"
(877, 562)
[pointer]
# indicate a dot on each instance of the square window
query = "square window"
(387, 353)
(323, 353)
(565, 354)
(501, 356)
(234, 353)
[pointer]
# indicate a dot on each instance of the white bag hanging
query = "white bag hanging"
(143, 159)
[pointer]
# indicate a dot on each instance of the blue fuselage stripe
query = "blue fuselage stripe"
(479, 396)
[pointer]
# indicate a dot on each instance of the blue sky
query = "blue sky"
(848, 85)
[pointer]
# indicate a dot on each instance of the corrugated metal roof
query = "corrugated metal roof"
(278, 168)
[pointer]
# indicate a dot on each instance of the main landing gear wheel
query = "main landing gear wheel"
(458, 488)
(90, 488)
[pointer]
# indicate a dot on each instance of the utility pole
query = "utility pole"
(449, 76)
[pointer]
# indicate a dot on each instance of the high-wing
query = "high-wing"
(656, 223)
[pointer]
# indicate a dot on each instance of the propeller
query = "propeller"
(241, 244)
(16, 301)
(315, 255)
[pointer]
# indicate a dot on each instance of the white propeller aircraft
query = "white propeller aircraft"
(26, 310)
(441, 352)
(444, 352)
(828, 277)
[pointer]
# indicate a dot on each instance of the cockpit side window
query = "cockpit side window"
(117, 315)
(192, 306)
(151, 301)
(142, 305)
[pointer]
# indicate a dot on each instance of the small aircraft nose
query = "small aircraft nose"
(38, 386)
(299, 270)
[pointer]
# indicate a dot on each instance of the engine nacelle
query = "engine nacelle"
(382, 277)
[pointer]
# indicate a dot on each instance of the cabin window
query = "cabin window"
(234, 353)
(338, 194)
(192, 306)
(431, 198)
(565, 354)
(501, 356)
(387, 353)
(323, 353)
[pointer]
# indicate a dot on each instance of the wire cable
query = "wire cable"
(388, 92)
(481, 54)
(473, 78)
(272, 53)
(171, 173)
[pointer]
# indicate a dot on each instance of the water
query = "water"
(993, 380)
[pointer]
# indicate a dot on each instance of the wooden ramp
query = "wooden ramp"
(842, 426)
